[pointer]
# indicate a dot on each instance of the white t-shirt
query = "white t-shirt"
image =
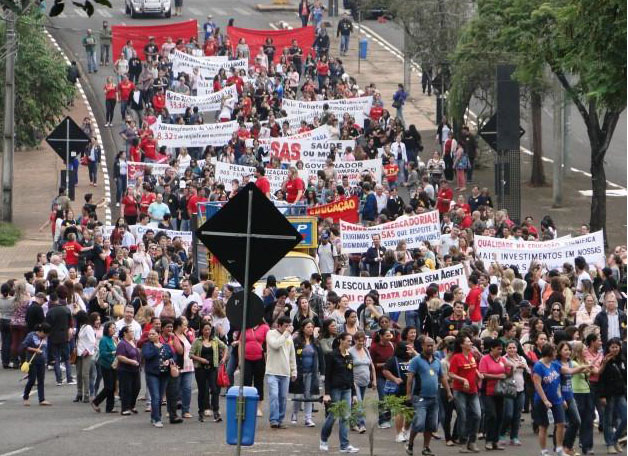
(183, 301)
(326, 254)
(584, 275)
(135, 327)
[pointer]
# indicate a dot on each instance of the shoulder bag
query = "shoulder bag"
(390, 387)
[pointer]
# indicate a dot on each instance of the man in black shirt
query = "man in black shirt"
(297, 56)
(35, 312)
(59, 318)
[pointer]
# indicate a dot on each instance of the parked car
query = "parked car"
(136, 8)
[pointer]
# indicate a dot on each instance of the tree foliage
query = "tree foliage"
(42, 88)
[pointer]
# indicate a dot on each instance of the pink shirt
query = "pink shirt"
(489, 366)
(255, 338)
(596, 361)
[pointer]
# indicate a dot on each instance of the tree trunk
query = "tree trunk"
(537, 178)
(598, 185)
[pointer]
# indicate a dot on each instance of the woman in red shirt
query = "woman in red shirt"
(493, 368)
(129, 207)
(254, 361)
(322, 69)
(294, 189)
(111, 97)
(381, 350)
(464, 372)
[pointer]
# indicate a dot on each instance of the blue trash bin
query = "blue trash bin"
(248, 420)
(363, 48)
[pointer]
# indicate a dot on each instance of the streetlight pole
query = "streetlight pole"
(8, 139)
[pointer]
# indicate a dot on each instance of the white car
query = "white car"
(138, 7)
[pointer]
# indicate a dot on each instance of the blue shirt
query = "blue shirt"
(428, 375)
(565, 384)
(308, 358)
(550, 381)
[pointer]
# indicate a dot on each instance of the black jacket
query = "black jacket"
(375, 267)
(297, 387)
(613, 378)
(60, 319)
(339, 372)
(34, 316)
(601, 320)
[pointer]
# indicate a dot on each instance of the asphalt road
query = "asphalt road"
(579, 150)
(68, 429)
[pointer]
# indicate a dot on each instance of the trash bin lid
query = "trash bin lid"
(249, 391)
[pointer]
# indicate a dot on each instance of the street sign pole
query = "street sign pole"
(67, 158)
(247, 263)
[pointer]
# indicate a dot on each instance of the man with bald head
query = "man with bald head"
(423, 392)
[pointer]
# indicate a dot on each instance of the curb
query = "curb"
(103, 163)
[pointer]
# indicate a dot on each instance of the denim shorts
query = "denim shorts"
(539, 413)
(425, 414)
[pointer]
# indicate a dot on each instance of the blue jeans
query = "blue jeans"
(573, 423)
(412, 318)
(384, 415)
(37, 372)
(338, 395)
(401, 176)
(60, 351)
(361, 393)
(307, 388)
(512, 415)
(277, 397)
(185, 390)
(425, 414)
(185, 225)
(91, 61)
(614, 417)
(586, 411)
(156, 385)
(123, 106)
(95, 376)
(121, 184)
(469, 412)
(5, 334)
(344, 44)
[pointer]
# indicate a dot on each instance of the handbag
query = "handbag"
(391, 387)
(174, 370)
(506, 387)
(73, 356)
(223, 379)
(26, 365)
(84, 160)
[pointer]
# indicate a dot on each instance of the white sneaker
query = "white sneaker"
(350, 449)
(310, 423)
(158, 424)
(293, 419)
(117, 204)
(400, 438)
(384, 425)
(406, 435)
(323, 446)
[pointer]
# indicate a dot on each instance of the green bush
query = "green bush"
(9, 234)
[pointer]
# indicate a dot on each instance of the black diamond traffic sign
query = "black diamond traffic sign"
(254, 310)
(67, 137)
(488, 132)
(225, 234)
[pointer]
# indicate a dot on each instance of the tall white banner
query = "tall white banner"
(175, 135)
(352, 169)
(226, 172)
(399, 293)
(292, 150)
(177, 103)
(552, 254)
(413, 230)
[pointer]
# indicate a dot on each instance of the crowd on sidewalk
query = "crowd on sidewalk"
(469, 360)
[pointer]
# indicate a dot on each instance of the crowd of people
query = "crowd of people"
(547, 342)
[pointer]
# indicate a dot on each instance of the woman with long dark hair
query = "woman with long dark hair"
(158, 358)
(208, 353)
(310, 363)
(106, 356)
(128, 357)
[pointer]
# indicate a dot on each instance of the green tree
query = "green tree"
(42, 89)
(584, 48)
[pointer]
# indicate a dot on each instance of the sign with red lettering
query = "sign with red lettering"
(345, 209)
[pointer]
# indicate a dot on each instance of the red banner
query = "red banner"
(139, 35)
(281, 39)
(346, 209)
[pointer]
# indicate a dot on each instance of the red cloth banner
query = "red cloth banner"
(346, 209)
(281, 39)
(139, 35)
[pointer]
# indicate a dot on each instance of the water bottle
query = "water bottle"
(550, 416)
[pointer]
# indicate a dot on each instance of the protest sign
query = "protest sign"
(358, 107)
(140, 230)
(398, 293)
(552, 254)
(138, 169)
(177, 103)
(225, 172)
(204, 87)
(413, 230)
(175, 135)
(155, 296)
(185, 63)
(352, 169)
(345, 209)
(292, 149)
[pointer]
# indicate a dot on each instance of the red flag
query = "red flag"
(346, 209)
(140, 33)
(281, 39)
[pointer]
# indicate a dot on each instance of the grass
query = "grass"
(9, 234)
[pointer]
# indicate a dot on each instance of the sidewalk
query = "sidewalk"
(35, 184)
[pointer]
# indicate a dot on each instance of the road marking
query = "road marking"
(273, 26)
(20, 451)
(99, 425)
(242, 11)
(103, 12)
(79, 12)
(621, 193)
(62, 16)
(103, 163)
(218, 11)
(195, 11)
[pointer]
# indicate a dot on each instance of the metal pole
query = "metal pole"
(9, 118)
(359, 20)
(247, 261)
(67, 157)
(566, 128)
(407, 64)
(557, 175)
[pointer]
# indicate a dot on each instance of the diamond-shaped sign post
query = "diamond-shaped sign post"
(488, 132)
(248, 226)
(67, 137)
